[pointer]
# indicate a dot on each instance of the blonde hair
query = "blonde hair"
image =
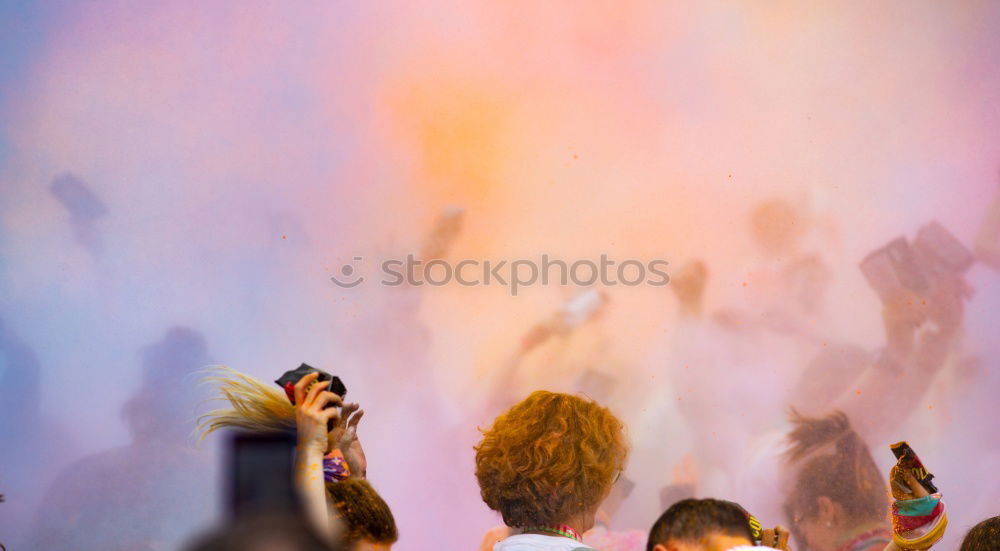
(256, 405)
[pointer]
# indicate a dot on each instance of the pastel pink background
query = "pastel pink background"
(246, 150)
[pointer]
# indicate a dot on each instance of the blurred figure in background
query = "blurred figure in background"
(787, 287)
(156, 490)
(880, 390)
(388, 347)
(393, 316)
(730, 387)
(755, 346)
(713, 366)
(567, 351)
(33, 443)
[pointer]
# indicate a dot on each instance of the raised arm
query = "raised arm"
(311, 418)
(920, 334)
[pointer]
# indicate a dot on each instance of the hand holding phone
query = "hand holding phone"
(918, 513)
(908, 462)
(316, 412)
(292, 383)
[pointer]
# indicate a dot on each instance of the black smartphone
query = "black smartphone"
(261, 474)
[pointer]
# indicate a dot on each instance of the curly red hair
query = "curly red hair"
(549, 457)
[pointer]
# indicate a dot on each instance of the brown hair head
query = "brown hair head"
(984, 536)
(364, 514)
(834, 462)
(549, 457)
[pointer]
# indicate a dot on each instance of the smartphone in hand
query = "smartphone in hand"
(907, 459)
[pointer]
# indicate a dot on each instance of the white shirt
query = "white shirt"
(538, 542)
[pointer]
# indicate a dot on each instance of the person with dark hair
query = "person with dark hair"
(703, 525)
(984, 536)
(546, 465)
(838, 500)
(367, 522)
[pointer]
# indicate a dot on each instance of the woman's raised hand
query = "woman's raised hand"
(344, 437)
(311, 413)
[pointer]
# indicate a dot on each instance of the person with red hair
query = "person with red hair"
(545, 465)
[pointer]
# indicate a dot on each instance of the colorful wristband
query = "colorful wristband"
(335, 467)
(918, 523)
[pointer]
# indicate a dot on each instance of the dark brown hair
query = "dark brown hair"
(984, 536)
(690, 520)
(364, 513)
(845, 473)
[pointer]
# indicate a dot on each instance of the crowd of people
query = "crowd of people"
(547, 465)
(790, 469)
(552, 464)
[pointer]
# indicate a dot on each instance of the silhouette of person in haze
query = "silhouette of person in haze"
(150, 494)
(32, 442)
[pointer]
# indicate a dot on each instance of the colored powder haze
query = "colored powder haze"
(179, 180)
